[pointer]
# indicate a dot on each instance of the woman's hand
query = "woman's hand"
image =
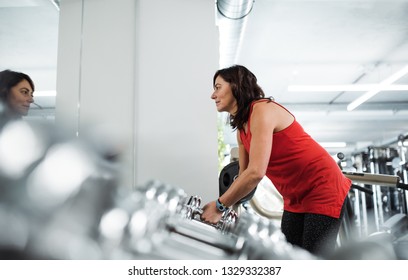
(211, 214)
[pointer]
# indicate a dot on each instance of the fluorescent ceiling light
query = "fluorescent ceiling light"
(381, 85)
(20, 3)
(352, 87)
(333, 144)
(45, 93)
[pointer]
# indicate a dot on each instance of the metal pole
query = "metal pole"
(403, 163)
(377, 203)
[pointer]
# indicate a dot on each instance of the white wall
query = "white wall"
(143, 69)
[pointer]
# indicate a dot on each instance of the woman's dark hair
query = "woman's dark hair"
(9, 79)
(245, 89)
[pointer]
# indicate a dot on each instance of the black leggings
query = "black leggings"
(314, 232)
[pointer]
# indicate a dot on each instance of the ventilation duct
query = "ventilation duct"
(235, 9)
(231, 18)
(56, 4)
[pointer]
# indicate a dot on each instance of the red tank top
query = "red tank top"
(307, 177)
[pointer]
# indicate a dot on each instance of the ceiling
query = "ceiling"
(284, 42)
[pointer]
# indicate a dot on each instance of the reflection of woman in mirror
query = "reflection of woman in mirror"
(16, 93)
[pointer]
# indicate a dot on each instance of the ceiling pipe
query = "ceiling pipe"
(232, 16)
(235, 9)
(56, 4)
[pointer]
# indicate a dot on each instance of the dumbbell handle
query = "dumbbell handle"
(227, 220)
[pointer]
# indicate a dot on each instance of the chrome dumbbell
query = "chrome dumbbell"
(172, 198)
(261, 238)
(192, 210)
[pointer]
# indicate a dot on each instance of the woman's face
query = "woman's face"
(222, 95)
(20, 98)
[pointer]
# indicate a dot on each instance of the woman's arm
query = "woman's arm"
(254, 164)
(243, 155)
(263, 123)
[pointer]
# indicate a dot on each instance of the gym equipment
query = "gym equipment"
(384, 169)
(173, 198)
(378, 191)
(175, 201)
(268, 192)
(192, 209)
(403, 167)
(52, 198)
(236, 237)
(267, 201)
(376, 179)
(227, 176)
(252, 237)
(374, 247)
(261, 238)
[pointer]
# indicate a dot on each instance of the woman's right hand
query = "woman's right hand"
(211, 214)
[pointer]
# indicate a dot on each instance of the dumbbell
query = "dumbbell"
(249, 237)
(172, 198)
(159, 233)
(260, 238)
(192, 209)
(175, 201)
(149, 230)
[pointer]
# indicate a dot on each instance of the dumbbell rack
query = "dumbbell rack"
(184, 235)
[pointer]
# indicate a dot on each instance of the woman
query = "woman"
(16, 93)
(271, 142)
